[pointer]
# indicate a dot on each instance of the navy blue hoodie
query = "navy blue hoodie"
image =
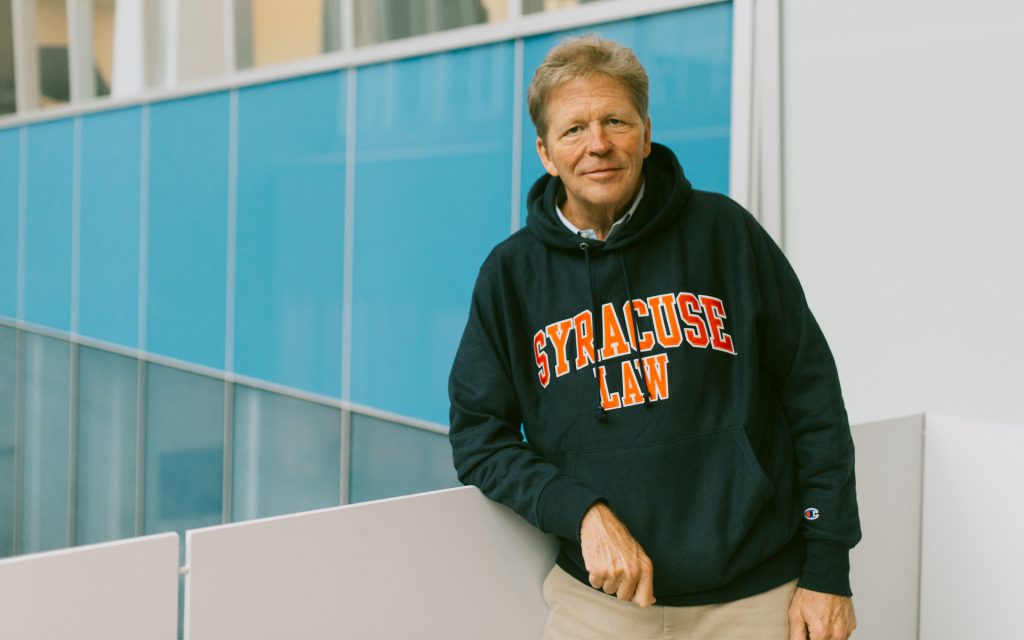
(706, 413)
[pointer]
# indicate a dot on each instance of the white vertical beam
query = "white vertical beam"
(230, 64)
(515, 9)
(517, 133)
(26, 55)
(768, 117)
(130, 59)
(740, 148)
(170, 40)
(81, 73)
(347, 15)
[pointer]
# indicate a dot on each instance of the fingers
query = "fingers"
(797, 624)
(797, 629)
(644, 594)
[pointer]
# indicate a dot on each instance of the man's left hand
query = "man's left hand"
(820, 616)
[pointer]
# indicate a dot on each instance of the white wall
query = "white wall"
(903, 140)
(973, 520)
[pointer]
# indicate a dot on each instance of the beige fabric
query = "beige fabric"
(577, 611)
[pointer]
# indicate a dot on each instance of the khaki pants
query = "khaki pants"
(575, 610)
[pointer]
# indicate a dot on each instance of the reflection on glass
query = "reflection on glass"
(44, 443)
(103, 44)
(107, 387)
(394, 460)
(382, 20)
(287, 455)
(7, 102)
(8, 381)
(271, 31)
(52, 40)
(184, 450)
(535, 6)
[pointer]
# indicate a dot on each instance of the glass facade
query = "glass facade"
(107, 414)
(198, 294)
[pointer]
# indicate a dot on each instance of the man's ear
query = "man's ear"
(647, 137)
(545, 159)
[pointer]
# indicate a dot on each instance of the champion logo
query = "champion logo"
(811, 513)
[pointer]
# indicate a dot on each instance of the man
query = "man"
(685, 435)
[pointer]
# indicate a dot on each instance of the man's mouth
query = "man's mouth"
(604, 172)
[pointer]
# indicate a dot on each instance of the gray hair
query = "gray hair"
(582, 58)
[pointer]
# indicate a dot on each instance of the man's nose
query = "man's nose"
(597, 141)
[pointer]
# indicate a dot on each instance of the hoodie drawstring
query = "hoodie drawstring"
(601, 414)
(598, 328)
(635, 333)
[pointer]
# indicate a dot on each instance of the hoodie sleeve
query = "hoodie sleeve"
(487, 445)
(804, 377)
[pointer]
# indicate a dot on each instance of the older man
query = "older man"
(685, 435)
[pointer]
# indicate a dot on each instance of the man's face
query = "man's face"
(596, 143)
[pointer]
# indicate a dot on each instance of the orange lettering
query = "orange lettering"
(631, 393)
(558, 332)
(696, 332)
(583, 323)
(612, 342)
(656, 368)
(543, 373)
(715, 311)
(609, 402)
(663, 310)
(646, 337)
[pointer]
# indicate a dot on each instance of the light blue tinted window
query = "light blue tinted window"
(291, 179)
(688, 58)
(8, 373)
(109, 227)
(9, 178)
(287, 455)
(394, 460)
(107, 389)
(188, 229)
(44, 443)
(433, 194)
(48, 224)
(184, 450)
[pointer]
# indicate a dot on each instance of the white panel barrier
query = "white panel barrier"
(447, 564)
(126, 589)
(941, 558)
(885, 566)
(972, 551)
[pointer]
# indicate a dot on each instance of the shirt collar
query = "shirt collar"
(590, 234)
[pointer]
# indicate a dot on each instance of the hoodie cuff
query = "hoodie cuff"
(562, 505)
(826, 568)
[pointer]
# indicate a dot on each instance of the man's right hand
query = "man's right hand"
(616, 562)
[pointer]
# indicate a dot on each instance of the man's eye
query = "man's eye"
(572, 130)
(614, 121)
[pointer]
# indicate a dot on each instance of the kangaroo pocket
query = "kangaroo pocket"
(701, 507)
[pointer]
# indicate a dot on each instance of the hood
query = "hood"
(666, 190)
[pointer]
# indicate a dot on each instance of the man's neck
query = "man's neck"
(599, 219)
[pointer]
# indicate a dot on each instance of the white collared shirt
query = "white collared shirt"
(590, 234)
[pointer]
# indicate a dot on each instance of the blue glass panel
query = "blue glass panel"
(688, 58)
(108, 306)
(184, 450)
(287, 455)
(9, 177)
(289, 282)
(187, 245)
(433, 191)
(48, 224)
(8, 373)
(44, 443)
(393, 460)
(107, 389)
